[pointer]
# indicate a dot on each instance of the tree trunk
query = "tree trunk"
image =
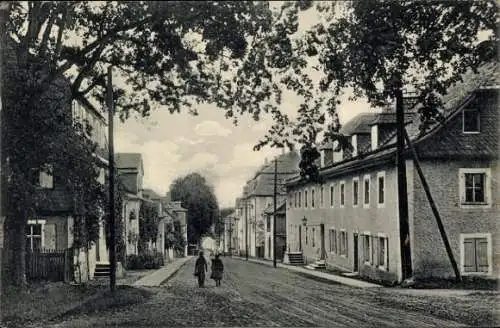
(15, 246)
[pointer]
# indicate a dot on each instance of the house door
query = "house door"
(322, 236)
(300, 238)
(355, 250)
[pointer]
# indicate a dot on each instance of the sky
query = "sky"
(174, 145)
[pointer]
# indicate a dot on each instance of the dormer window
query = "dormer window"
(471, 121)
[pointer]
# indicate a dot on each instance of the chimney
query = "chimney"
(354, 142)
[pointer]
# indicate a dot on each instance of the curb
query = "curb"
(304, 272)
(164, 281)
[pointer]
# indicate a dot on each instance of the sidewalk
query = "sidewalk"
(317, 274)
(159, 276)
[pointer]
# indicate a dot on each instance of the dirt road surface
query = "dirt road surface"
(257, 295)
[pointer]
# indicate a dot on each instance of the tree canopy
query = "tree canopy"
(375, 47)
(198, 197)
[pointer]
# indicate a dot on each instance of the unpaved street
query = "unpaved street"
(257, 295)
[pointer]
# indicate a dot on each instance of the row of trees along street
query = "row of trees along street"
(241, 57)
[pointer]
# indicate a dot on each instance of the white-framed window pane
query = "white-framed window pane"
(312, 198)
(355, 186)
(367, 191)
(331, 196)
(381, 190)
(342, 194)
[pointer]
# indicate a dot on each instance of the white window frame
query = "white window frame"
(332, 195)
(300, 199)
(366, 178)
(487, 187)
(42, 232)
(322, 196)
(381, 174)
(478, 121)
(463, 236)
(356, 179)
(370, 248)
(384, 267)
(306, 195)
(330, 241)
(313, 196)
(342, 183)
(346, 246)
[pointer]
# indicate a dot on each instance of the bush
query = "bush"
(145, 260)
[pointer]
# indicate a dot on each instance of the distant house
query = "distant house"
(230, 237)
(280, 231)
(258, 195)
(351, 220)
(130, 170)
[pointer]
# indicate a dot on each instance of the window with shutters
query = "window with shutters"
(295, 200)
(307, 239)
(300, 199)
(475, 187)
(355, 192)
(313, 237)
(333, 240)
(305, 198)
(476, 254)
(34, 235)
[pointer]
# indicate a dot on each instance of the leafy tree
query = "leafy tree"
(169, 54)
(198, 197)
(378, 47)
(148, 223)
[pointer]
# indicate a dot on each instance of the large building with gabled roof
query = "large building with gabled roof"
(350, 222)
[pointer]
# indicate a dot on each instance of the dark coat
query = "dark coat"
(200, 267)
(217, 269)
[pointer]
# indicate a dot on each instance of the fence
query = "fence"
(47, 264)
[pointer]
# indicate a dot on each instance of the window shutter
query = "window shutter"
(482, 255)
(49, 236)
(462, 187)
(469, 255)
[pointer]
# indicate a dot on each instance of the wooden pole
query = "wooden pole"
(112, 248)
(274, 210)
(404, 227)
(433, 208)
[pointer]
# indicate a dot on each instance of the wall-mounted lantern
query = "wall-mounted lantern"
(304, 221)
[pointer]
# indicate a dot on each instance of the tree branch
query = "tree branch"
(46, 35)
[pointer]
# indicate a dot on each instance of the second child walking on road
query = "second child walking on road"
(200, 268)
(217, 269)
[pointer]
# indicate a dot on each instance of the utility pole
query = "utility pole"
(274, 210)
(404, 227)
(246, 229)
(112, 232)
(433, 208)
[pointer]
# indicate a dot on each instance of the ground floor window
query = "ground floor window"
(343, 243)
(383, 253)
(476, 253)
(34, 234)
(333, 240)
(367, 248)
